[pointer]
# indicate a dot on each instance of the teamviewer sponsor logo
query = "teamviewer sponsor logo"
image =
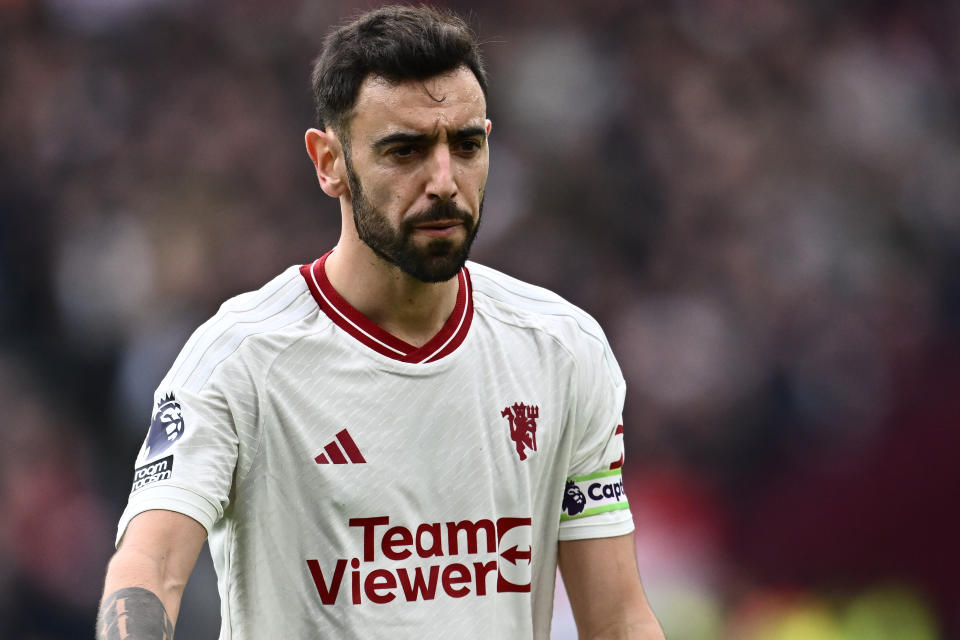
(449, 559)
(152, 472)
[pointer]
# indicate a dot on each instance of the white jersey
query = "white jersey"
(355, 486)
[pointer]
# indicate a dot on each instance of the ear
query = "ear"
(488, 126)
(325, 151)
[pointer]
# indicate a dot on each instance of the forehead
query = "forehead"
(447, 101)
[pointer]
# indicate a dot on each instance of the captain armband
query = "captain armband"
(593, 493)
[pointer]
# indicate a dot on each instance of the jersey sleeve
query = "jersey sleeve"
(594, 502)
(202, 414)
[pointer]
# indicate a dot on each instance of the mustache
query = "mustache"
(438, 211)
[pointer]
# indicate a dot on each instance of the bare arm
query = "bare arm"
(604, 589)
(147, 575)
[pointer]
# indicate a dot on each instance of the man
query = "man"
(389, 441)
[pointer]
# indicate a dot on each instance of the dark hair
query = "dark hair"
(398, 43)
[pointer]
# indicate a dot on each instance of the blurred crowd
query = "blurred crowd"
(758, 200)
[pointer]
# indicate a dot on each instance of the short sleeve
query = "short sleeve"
(594, 502)
(189, 458)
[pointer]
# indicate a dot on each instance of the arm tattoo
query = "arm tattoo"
(133, 613)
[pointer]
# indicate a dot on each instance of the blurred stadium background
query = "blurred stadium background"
(757, 199)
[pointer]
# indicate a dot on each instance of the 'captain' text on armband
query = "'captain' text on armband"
(593, 493)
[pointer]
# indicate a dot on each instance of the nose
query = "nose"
(441, 184)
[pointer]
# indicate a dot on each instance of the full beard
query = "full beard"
(438, 260)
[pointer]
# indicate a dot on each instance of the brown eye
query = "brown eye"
(405, 151)
(469, 146)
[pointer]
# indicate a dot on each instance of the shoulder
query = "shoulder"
(523, 302)
(247, 326)
(514, 302)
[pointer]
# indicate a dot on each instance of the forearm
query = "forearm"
(133, 613)
(648, 629)
(147, 575)
(603, 585)
(140, 601)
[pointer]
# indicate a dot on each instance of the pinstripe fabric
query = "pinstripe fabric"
(348, 489)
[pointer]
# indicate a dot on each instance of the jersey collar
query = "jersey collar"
(345, 316)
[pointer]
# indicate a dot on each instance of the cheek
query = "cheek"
(483, 172)
(386, 194)
(472, 182)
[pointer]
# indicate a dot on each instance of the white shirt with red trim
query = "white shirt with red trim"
(356, 486)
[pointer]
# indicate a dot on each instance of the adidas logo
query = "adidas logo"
(335, 455)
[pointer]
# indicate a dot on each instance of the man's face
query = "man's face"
(417, 165)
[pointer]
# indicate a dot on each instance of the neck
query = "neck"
(398, 303)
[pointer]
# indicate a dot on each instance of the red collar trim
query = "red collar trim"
(345, 316)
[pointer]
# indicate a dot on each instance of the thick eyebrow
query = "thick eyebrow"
(422, 138)
(400, 138)
(468, 132)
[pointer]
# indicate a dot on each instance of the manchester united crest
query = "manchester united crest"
(523, 426)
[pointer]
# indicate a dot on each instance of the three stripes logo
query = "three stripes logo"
(335, 455)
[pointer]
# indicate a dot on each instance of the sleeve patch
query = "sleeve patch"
(152, 472)
(166, 426)
(592, 494)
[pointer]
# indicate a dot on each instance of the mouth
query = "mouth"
(439, 228)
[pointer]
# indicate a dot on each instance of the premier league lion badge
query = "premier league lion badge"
(573, 499)
(166, 426)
